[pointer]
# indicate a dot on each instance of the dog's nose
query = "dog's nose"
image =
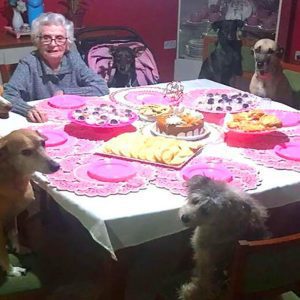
(260, 64)
(185, 218)
(53, 166)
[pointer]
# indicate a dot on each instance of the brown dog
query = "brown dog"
(22, 152)
(268, 81)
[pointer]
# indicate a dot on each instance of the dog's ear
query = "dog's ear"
(197, 182)
(3, 149)
(41, 135)
(255, 50)
(279, 52)
(216, 25)
(239, 23)
(139, 50)
(112, 50)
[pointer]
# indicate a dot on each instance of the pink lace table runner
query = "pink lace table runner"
(73, 177)
(268, 158)
(244, 176)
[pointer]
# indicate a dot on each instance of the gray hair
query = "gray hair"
(51, 19)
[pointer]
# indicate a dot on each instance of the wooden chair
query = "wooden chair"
(292, 73)
(265, 268)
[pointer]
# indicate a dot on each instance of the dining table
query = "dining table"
(128, 214)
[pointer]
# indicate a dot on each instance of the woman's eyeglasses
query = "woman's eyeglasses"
(47, 39)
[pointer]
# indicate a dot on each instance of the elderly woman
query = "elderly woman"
(54, 69)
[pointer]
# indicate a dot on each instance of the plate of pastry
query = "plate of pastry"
(253, 122)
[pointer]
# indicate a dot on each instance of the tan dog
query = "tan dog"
(268, 81)
(22, 152)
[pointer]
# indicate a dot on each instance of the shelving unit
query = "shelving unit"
(195, 38)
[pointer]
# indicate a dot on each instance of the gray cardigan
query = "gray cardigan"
(34, 80)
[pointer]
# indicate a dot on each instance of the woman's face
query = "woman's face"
(52, 44)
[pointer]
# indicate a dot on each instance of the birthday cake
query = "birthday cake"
(181, 123)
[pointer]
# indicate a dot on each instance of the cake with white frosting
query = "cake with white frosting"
(181, 122)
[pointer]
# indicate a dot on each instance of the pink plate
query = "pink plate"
(290, 150)
(288, 118)
(66, 101)
(216, 172)
(111, 171)
(147, 97)
(54, 137)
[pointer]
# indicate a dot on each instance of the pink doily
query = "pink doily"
(244, 177)
(73, 177)
(72, 146)
(268, 158)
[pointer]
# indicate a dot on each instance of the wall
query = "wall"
(155, 21)
(295, 36)
(288, 37)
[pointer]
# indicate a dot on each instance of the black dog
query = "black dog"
(226, 60)
(124, 63)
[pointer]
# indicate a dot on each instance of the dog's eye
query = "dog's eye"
(43, 143)
(194, 201)
(27, 152)
(204, 211)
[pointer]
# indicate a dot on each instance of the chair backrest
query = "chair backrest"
(93, 43)
(292, 73)
(265, 268)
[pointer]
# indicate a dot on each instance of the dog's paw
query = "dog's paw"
(16, 271)
(188, 291)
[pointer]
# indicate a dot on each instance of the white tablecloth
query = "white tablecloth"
(120, 221)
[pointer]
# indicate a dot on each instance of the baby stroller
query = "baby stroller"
(94, 44)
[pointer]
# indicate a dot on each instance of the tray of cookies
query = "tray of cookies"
(155, 150)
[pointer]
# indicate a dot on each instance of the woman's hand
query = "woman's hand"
(36, 116)
(58, 93)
